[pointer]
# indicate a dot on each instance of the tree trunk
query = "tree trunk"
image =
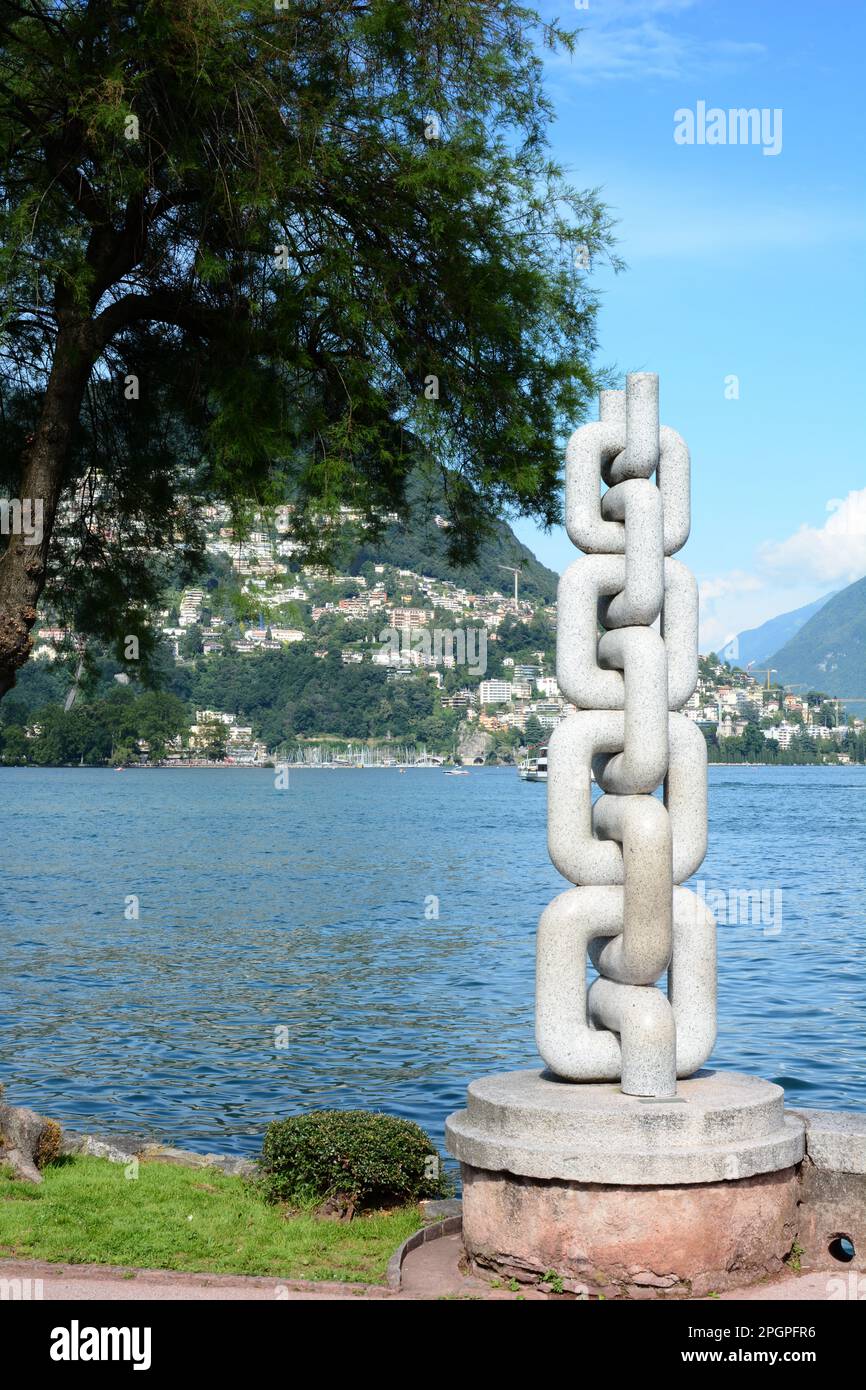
(23, 566)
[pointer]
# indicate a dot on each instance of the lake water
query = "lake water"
(310, 910)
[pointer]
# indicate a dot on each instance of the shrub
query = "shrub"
(48, 1144)
(372, 1160)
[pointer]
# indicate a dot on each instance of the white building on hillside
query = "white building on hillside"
(494, 692)
(190, 607)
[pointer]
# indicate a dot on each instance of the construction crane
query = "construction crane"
(843, 700)
(762, 670)
(513, 570)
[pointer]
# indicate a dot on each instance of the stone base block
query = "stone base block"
(720, 1127)
(832, 1219)
(616, 1193)
(633, 1242)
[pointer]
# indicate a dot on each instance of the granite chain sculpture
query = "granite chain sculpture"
(630, 852)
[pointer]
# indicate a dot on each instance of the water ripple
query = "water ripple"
(313, 912)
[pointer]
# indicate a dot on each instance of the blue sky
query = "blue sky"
(740, 264)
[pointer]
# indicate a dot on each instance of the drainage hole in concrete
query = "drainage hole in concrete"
(842, 1249)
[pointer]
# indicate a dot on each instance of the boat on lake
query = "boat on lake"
(534, 769)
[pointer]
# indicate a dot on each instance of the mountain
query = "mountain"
(829, 651)
(756, 644)
(420, 545)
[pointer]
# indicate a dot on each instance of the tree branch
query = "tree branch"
(159, 307)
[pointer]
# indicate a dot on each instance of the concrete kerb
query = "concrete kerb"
(835, 1139)
(451, 1225)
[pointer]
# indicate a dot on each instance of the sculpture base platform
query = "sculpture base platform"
(625, 1195)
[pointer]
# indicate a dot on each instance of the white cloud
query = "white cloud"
(788, 574)
(832, 553)
(737, 582)
(636, 40)
(739, 611)
(733, 602)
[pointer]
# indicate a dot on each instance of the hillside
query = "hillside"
(757, 644)
(829, 651)
(420, 545)
(292, 653)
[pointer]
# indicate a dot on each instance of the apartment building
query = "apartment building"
(407, 618)
(190, 607)
(494, 692)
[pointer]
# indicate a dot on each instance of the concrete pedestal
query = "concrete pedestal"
(692, 1194)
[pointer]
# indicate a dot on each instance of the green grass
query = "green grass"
(88, 1212)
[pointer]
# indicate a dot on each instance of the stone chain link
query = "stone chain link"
(630, 852)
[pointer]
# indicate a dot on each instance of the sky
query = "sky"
(741, 264)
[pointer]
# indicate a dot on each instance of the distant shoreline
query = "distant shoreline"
(844, 765)
(318, 767)
(245, 767)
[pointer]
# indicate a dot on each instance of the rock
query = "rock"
(27, 1141)
(237, 1167)
(646, 1279)
(473, 742)
(122, 1148)
(167, 1153)
(340, 1207)
(98, 1148)
(184, 1158)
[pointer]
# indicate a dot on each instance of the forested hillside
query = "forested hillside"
(829, 652)
(421, 546)
(284, 696)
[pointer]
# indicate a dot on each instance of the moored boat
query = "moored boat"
(534, 769)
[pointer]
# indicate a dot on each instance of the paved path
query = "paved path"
(824, 1287)
(430, 1272)
(97, 1282)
